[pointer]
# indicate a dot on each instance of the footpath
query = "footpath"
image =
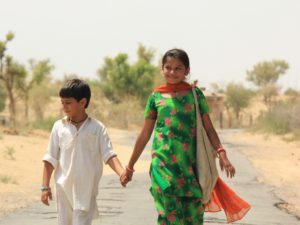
(134, 204)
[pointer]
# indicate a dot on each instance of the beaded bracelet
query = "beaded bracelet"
(130, 170)
(219, 150)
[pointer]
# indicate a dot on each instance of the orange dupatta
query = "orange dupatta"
(223, 197)
(167, 87)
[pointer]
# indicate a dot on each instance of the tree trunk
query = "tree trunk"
(229, 122)
(12, 109)
(237, 114)
(26, 106)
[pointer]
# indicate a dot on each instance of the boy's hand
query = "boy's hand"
(124, 181)
(44, 196)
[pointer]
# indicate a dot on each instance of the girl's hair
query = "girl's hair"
(178, 54)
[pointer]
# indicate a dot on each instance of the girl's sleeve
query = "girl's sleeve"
(204, 109)
(151, 109)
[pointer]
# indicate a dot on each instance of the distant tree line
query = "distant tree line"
(17, 80)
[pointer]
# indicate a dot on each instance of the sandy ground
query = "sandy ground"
(278, 163)
(24, 173)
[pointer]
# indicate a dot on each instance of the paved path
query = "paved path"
(134, 204)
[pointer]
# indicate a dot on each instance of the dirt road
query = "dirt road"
(135, 205)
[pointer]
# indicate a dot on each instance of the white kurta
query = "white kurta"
(77, 158)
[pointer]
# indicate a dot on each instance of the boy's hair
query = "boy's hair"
(77, 89)
(178, 54)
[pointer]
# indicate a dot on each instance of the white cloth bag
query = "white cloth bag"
(207, 173)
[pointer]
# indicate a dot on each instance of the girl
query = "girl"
(174, 186)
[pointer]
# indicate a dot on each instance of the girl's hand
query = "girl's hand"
(44, 196)
(225, 164)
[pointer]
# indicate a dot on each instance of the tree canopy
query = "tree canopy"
(266, 72)
(120, 79)
(265, 75)
(238, 97)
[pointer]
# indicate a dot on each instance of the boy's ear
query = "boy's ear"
(83, 102)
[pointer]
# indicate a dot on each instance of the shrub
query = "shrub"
(282, 119)
(45, 124)
(5, 179)
(10, 151)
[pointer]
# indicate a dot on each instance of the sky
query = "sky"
(223, 39)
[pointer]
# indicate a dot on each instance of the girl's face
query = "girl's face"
(174, 70)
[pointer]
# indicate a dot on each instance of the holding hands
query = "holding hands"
(126, 176)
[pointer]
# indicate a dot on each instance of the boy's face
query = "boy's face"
(71, 107)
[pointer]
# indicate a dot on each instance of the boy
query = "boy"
(78, 145)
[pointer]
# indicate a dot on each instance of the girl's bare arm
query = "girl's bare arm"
(215, 141)
(140, 144)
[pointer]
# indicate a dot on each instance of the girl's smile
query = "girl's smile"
(174, 70)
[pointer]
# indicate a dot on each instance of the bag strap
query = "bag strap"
(198, 113)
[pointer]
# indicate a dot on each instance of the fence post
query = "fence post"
(221, 120)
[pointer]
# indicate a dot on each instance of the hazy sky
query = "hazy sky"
(222, 38)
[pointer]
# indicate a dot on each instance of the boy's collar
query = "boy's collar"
(65, 119)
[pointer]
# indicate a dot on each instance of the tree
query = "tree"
(237, 97)
(120, 80)
(265, 75)
(217, 88)
(10, 71)
(293, 94)
(39, 71)
(143, 53)
(39, 98)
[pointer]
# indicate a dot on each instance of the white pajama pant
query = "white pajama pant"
(67, 216)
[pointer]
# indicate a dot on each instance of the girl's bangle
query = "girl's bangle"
(128, 169)
(219, 150)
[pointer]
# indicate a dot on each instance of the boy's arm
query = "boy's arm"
(50, 163)
(115, 164)
(48, 169)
